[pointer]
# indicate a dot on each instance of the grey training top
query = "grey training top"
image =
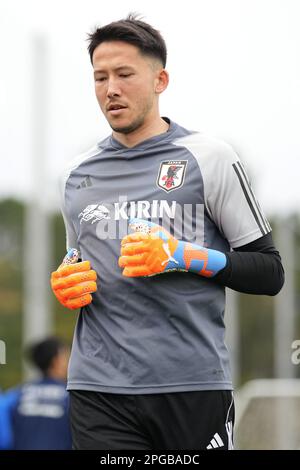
(163, 333)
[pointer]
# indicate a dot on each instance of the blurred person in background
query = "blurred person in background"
(35, 415)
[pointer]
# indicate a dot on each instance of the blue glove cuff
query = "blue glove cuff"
(205, 261)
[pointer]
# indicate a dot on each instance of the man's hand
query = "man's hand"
(153, 250)
(74, 282)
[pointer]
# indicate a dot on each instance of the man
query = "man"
(35, 415)
(149, 368)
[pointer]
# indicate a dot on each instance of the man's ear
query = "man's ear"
(162, 81)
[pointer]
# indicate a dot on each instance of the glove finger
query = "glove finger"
(58, 296)
(73, 279)
(67, 269)
(136, 271)
(78, 302)
(134, 260)
(134, 237)
(134, 248)
(78, 290)
(152, 265)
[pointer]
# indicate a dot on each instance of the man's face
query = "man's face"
(126, 84)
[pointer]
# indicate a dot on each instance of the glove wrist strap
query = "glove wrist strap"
(197, 259)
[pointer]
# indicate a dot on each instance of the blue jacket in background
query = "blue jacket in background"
(35, 416)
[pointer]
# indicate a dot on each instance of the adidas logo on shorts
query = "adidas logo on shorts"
(215, 442)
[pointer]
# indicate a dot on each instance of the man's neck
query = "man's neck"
(142, 133)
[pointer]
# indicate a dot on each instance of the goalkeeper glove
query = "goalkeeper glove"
(74, 282)
(151, 250)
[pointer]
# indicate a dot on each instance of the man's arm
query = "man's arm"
(254, 268)
(74, 281)
(255, 265)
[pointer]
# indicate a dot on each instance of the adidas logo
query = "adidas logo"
(85, 183)
(215, 442)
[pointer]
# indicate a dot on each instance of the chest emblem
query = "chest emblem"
(93, 213)
(171, 174)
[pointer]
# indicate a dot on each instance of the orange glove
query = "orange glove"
(74, 282)
(148, 250)
(153, 250)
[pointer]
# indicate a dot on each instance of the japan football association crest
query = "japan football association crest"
(171, 174)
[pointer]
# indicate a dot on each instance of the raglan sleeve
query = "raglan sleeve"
(230, 199)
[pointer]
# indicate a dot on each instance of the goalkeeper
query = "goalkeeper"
(149, 367)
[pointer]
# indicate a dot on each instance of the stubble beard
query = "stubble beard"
(134, 125)
(130, 128)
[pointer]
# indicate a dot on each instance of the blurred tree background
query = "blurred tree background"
(12, 214)
(256, 313)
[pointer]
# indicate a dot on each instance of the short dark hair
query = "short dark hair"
(133, 31)
(42, 353)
